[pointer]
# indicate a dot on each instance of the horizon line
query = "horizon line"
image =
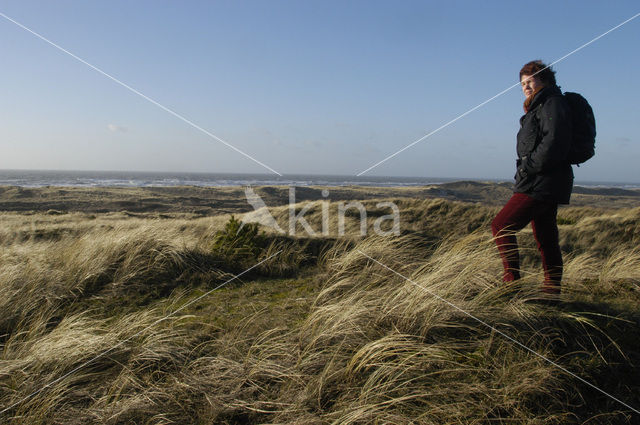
(284, 176)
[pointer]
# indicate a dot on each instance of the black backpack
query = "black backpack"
(583, 142)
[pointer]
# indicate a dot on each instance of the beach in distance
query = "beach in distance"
(224, 199)
(382, 304)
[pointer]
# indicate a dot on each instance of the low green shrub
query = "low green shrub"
(239, 241)
(565, 220)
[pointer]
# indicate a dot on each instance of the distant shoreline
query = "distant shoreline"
(212, 200)
(106, 179)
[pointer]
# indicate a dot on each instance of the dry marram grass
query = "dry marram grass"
(322, 335)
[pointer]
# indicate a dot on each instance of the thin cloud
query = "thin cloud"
(116, 128)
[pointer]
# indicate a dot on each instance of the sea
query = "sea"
(42, 178)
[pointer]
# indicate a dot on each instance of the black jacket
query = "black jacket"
(544, 139)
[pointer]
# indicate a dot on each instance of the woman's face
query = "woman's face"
(530, 84)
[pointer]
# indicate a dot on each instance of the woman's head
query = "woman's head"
(535, 75)
(544, 73)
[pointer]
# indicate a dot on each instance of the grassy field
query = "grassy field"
(320, 333)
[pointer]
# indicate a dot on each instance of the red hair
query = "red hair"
(540, 70)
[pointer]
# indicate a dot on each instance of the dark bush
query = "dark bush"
(239, 241)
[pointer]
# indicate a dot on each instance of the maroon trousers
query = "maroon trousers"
(515, 215)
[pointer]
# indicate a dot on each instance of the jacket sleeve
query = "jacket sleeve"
(553, 149)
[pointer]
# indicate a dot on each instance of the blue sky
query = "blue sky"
(306, 87)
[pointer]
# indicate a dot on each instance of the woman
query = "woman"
(544, 177)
